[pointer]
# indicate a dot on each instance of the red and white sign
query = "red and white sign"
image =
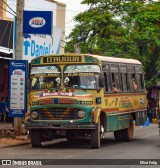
(37, 22)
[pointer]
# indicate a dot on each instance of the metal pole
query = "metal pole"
(19, 53)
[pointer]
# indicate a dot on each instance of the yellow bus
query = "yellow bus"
(85, 96)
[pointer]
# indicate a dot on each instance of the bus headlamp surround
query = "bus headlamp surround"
(81, 114)
(34, 115)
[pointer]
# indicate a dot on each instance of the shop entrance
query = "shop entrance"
(4, 78)
(4, 85)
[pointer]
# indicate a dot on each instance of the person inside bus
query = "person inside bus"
(135, 87)
(114, 89)
(87, 82)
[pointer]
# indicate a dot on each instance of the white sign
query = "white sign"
(17, 89)
(40, 45)
(37, 22)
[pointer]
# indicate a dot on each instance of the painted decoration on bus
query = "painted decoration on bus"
(57, 94)
(45, 82)
(56, 59)
(37, 22)
(35, 45)
(82, 68)
(45, 70)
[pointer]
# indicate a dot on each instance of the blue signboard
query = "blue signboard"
(17, 88)
(37, 22)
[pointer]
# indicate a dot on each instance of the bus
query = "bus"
(84, 96)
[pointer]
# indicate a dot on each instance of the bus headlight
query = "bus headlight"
(34, 115)
(81, 114)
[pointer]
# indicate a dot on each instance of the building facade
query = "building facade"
(7, 12)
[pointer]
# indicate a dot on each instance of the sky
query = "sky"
(73, 7)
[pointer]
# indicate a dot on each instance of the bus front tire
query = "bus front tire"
(95, 137)
(35, 138)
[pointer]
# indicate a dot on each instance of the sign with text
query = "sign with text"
(36, 45)
(56, 59)
(37, 22)
(17, 88)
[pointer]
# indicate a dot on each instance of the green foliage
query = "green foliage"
(120, 28)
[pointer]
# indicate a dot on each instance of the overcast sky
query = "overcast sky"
(73, 7)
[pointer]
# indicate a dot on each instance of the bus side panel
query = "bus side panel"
(117, 121)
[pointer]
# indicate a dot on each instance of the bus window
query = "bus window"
(86, 82)
(45, 77)
(107, 82)
(140, 82)
(45, 82)
(132, 82)
(81, 76)
(124, 81)
(115, 81)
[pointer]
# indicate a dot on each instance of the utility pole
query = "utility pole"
(19, 53)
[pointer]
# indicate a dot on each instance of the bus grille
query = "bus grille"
(58, 114)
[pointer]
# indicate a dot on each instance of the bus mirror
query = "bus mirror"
(101, 82)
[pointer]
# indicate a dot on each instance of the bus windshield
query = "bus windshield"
(84, 82)
(81, 76)
(45, 77)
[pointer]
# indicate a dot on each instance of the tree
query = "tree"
(120, 28)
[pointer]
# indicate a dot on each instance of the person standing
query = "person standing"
(3, 109)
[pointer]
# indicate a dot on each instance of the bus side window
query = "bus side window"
(140, 78)
(132, 82)
(142, 81)
(115, 82)
(107, 82)
(124, 81)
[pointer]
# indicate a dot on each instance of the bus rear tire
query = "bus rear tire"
(35, 138)
(128, 132)
(125, 135)
(95, 137)
(118, 135)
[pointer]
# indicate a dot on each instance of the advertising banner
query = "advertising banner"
(39, 45)
(17, 88)
(37, 22)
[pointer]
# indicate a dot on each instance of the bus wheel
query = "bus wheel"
(95, 137)
(125, 135)
(118, 135)
(128, 133)
(35, 138)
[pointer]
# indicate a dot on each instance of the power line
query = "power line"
(52, 9)
(9, 7)
(7, 11)
(4, 33)
(69, 21)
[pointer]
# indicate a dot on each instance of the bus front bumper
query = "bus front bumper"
(60, 126)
